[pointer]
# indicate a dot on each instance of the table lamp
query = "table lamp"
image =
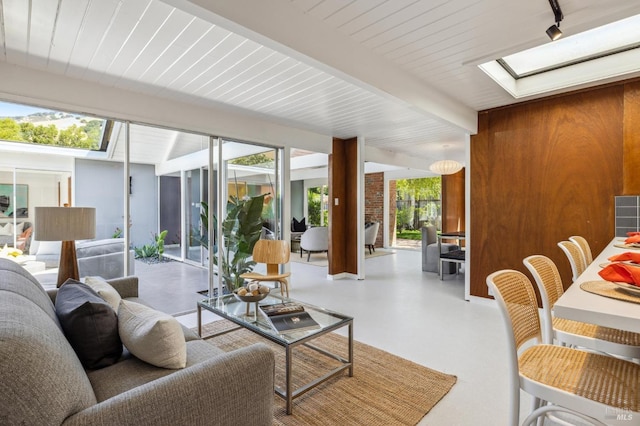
(65, 224)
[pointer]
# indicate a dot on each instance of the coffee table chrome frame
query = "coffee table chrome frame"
(289, 394)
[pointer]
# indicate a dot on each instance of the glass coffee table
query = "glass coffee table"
(246, 316)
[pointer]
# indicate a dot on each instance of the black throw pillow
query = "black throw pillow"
(89, 323)
(299, 226)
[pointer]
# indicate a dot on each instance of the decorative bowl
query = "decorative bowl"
(250, 298)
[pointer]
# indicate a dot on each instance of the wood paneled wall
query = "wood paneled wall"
(453, 204)
(545, 170)
(343, 218)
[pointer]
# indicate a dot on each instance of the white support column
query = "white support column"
(127, 199)
(210, 222)
(360, 211)
(221, 203)
(285, 195)
(467, 215)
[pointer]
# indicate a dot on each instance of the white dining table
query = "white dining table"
(579, 305)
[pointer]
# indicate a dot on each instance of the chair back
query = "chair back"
(432, 234)
(574, 254)
(584, 246)
(271, 252)
(547, 278)
(315, 239)
(371, 233)
(517, 300)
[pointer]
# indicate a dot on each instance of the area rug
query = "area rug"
(384, 390)
(320, 259)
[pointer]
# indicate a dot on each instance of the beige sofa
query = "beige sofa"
(42, 381)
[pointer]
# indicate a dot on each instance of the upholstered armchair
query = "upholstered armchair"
(314, 240)
(370, 235)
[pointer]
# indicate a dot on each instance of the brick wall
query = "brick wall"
(374, 202)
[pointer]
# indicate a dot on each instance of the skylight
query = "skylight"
(26, 124)
(600, 53)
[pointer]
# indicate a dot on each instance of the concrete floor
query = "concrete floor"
(397, 308)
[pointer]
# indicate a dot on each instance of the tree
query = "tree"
(9, 130)
(73, 136)
(93, 129)
(420, 189)
(253, 160)
(46, 135)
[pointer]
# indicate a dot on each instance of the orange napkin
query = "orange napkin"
(633, 239)
(634, 257)
(632, 233)
(621, 272)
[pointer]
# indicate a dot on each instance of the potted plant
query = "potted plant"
(240, 230)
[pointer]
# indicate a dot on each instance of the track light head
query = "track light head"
(554, 32)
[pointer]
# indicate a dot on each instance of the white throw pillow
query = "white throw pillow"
(152, 336)
(49, 247)
(105, 290)
(19, 228)
(6, 229)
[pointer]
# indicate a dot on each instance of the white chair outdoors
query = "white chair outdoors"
(314, 240)
(584, 247)
(576, 260)
(578, 383)
(601, 339)
(370, 236)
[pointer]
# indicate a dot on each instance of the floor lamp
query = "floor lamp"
(65, 224)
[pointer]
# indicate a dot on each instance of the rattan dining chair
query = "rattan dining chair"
(574, 254)
(273, 253)
(575, 333)
(586, 385)
(584, 247)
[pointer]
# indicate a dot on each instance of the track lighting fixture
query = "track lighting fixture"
(553, 31)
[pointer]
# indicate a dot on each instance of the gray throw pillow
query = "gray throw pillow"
(89, 323)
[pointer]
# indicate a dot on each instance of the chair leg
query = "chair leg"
(284, 284)
(308, 256)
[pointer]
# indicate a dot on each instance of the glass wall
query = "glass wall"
(158, 178)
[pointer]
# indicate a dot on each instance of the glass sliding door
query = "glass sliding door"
(192, 207)
(251, 186)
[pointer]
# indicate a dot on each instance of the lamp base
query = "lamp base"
(68, 267)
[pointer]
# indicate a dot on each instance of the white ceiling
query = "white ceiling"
(401, 73)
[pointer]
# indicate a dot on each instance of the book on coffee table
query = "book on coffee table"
(290, 322)
(281, 308)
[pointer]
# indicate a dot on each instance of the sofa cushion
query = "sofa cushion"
(104, 290)
(43, 381)
(99, 247)
(132, 372)
(152, 336)
(90, 324)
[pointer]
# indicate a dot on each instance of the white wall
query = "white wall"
(42, 191)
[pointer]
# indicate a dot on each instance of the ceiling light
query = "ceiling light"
(445, 167)
(553, 31)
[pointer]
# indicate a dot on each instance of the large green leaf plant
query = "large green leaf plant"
(240, 230)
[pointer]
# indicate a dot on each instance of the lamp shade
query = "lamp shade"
(445, 167)
(64, 223)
